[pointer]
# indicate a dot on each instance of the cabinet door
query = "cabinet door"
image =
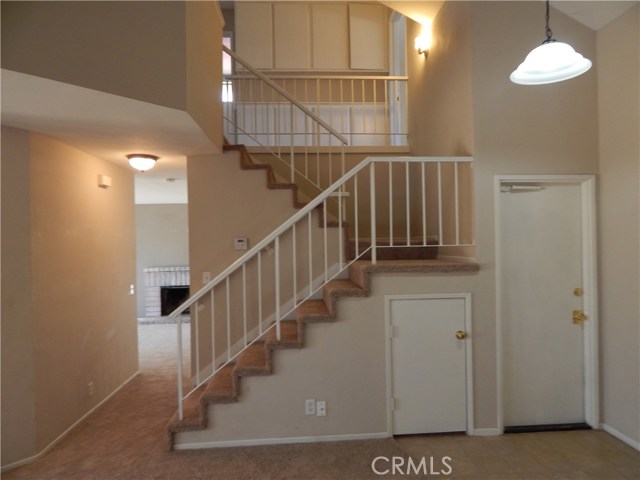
(368, 29)
(254, 33)
(292, 29)
(330, 30)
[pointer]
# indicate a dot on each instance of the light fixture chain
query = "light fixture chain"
(548, 28)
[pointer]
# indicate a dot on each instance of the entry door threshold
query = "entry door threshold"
(558, 427)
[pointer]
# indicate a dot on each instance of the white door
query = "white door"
(428, 365)
(541, 268)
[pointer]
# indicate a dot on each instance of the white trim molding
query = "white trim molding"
(253, 442)
(620, 436)
(485, 432)
(46, 449)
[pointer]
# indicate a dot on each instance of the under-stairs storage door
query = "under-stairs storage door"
(429, 364)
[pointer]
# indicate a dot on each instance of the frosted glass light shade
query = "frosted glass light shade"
(550, 62)
(141, 161)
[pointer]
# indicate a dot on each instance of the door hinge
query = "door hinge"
(394, 331)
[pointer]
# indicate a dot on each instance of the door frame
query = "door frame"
(468, 351)
(587, 185)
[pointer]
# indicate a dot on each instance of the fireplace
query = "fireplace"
(156, 279)
(171, 297)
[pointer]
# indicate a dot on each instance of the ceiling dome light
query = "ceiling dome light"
(141, 161)
(550, 62)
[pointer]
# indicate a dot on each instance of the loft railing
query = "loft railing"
(380, 203)
(259, 112)
(368, 111)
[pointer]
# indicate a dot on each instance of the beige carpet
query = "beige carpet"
(126, 438)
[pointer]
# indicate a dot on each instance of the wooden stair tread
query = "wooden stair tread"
(313, 310)
(221, 388)
(192, 418)
(344, 288)
(253, 361)
(289, 335)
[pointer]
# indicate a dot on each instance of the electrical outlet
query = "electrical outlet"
(90, 389)
(132, 289)
(321, 408)
(310, 407)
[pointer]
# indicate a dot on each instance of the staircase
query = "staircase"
(257, 360)
(373, 218)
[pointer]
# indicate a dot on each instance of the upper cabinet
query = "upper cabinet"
(292, 36)
(368, 27)
(254, 33)
(330, 40)
(327, 36)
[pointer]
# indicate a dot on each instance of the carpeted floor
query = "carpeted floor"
(125, 439)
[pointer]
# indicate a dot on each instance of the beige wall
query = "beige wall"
(132, 49)
(165, 53)
(18, 379)
(618, 69)
(440, 106)
(226, 202)
(204, 24)
(82, 262)
(162, 239)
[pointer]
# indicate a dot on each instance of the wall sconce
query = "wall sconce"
(422, 42)
(142, 162)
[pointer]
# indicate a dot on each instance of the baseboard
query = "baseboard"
(46, 449)
(280, 441)
(620, 436)
(485, 432)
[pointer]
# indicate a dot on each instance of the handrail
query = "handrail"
(286, 95)
(320, 76)
(309, 207)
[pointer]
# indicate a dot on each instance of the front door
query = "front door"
(541, 259)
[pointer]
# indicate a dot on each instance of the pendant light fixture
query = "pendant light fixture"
(142, 162)
(551, 62)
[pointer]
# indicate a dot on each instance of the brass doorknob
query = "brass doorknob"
(460, 335)
(578, 317)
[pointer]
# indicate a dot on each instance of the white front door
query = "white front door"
(541, 259)
(428, 364)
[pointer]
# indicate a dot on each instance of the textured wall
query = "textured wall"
(82, 261)
(619, 101)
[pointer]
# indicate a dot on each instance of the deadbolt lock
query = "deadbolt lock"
(578, 317)
(461, 335)
(578, 292)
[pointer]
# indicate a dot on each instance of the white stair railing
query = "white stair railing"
(367, 110)
(417, 202)
(258, 112)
